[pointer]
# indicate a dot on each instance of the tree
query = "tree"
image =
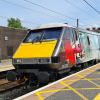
(14, 22)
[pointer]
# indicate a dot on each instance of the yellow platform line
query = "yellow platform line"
(75, 91)
(94, 69)
(93, 78)
(86, 88)
(81, 79)
(57, 90)
(97, 97)
(96, 73)
(50, 91)
(89, 80)
(40, 97)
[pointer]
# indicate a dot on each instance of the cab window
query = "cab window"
(66, 35)
(71, 35)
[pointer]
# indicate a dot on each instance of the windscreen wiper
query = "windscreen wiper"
(42, 37)
(36, 39)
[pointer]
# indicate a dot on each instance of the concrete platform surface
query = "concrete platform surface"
(83, 85)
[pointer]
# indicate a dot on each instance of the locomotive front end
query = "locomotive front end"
(34, 59)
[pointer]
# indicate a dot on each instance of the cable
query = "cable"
(29, 9)
(22, 7)
(49, 9)
(14, 4)
(91, 6)
(71, 3)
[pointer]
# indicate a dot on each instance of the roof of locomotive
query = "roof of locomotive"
(55, 25)
(52, 25)
(88, 32)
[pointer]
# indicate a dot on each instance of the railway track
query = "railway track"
(11, 90)
(9, 85)
(3, 81)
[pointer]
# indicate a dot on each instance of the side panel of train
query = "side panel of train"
(79, 48)
(90, 45)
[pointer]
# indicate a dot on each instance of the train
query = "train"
(51, 50)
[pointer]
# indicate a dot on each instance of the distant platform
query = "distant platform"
(6, 65)
(83, 85)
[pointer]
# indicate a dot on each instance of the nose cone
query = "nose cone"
(35, 50)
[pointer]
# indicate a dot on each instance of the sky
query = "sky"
(32, 16)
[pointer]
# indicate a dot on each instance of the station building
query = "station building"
(10, 38)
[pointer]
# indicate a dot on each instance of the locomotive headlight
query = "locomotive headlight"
(44, 60)
(17, 61)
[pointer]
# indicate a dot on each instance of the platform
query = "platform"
(83, 85)
(6, 65)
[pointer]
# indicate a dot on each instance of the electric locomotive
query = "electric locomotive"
(51, 50)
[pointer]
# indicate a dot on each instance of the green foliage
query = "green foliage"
(15, 23)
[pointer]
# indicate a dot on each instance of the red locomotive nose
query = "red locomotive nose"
(70, 55)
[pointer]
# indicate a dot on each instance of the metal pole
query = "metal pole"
(77, 26)
(77, 23)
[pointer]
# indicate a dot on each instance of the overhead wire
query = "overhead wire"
(92, 6)
(45, 8)
(29, 9)
(79, 8)
(73, 4)
(38, 11)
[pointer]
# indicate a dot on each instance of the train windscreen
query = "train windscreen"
(43, 35)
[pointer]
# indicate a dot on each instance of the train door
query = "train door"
(85, 43)
(65, 39)
(99, 45)
(69, 41)
(99, 42)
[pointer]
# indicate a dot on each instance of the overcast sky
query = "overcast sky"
(32, 15)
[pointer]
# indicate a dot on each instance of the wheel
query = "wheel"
(97, 61)
(53, 76)
(32, 80)
(85, 65)
(11, 76)
(43, 77)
